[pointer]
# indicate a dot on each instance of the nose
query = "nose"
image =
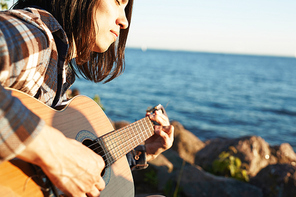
(122, 20)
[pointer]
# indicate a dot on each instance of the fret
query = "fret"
(144, 134)
(121, 142)
(134, 139)
(116, 152)
(149, 125)
(142, 126)
(118, 143)
(109, 153)
(112, 145)
(104, 152)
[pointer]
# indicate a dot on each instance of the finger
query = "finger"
(101, 184)
(159, 130)
(166, 141)
(161, 118)
(171, 132)
(167, 128)
(166, 132)
(94, 192)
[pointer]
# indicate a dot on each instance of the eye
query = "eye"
(118, 2)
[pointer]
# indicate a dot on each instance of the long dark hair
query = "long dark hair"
(76, 18)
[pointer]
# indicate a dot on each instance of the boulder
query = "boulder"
(155, 178)
(161, 160)
(187, 180)
(276, 180)
(253, 151)
(182, 169)
(194, 181)
(186, 144)
(284, 153)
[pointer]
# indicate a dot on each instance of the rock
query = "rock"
(284, 153)
(161, 160)
(194, 181)
(253, 151)
(154, 179)
(186, 144)
(276, 180)
(182, 168)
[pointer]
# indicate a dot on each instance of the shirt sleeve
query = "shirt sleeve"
(18, 125)
(137, 158)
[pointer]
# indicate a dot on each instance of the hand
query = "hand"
(71, 166)
(163, 137)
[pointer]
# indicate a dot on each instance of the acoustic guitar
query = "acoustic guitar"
(81, 119)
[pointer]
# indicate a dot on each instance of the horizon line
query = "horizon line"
(213, 52)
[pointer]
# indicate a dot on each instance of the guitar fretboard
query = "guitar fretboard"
(118, 143)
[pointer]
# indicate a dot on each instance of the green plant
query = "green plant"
(168, 189)
(229, 165)
(150, 177)
(97, 99)
(174, 189)
(176, 192)
(4, 6)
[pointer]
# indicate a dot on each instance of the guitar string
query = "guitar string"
(126, 141)
(110, 160)
(122, 130)
(118, 131)
(112, 137)
(135, 124)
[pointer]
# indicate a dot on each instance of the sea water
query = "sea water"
(212, 95)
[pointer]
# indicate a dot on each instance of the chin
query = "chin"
(101, 49)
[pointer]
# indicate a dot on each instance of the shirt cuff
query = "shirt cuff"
(137, 158)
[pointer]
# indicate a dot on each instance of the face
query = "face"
(109, 18)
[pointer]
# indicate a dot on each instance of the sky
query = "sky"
(262, 27)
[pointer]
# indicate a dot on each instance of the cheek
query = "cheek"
(101, 44)
(98, 46)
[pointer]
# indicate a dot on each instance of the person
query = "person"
(72, 93)
(44, 45)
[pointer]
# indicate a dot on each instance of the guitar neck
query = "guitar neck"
(118, 143)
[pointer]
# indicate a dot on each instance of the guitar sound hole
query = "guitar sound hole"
(96, 148)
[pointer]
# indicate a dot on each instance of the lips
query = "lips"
(115, 33)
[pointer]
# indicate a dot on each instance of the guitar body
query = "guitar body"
(82, 119)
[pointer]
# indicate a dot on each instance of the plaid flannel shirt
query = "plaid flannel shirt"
(31, 62)
(37, 69)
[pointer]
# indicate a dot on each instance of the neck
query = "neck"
(117, 144)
